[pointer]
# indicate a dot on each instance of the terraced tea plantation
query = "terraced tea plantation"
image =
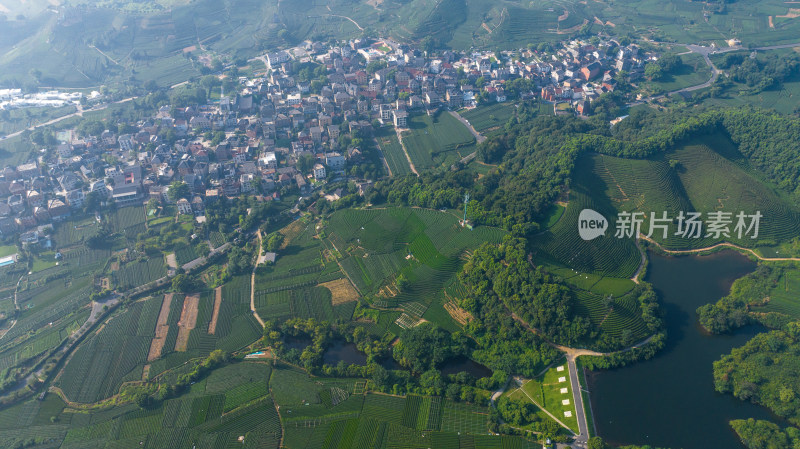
(697, 177)
(423, 249)
(299, 284)
(379, 420)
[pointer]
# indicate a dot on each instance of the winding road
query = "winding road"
(582, 438)
(79, 112)
(715, 72)
(718, 245)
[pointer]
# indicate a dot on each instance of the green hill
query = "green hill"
(695, 177)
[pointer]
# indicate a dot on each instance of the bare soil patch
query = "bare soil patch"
(187, 321)
(212, 326)
(162, 327)
(342, 291)
(793, 13)
(460, 315)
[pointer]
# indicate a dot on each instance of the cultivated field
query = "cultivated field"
(162, 328)
(436, 141)
(490, 119)
(393, 153)
(187, 321)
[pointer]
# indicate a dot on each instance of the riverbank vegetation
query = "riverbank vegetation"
(764, 371)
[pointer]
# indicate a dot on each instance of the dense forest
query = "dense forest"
(732, 311)
(766, 371)
(759, 434)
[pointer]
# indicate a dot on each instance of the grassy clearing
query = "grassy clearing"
(549, 392)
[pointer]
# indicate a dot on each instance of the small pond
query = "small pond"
(343, 350)
(462, 363)
(299, 342)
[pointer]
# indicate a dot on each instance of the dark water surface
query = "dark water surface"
(670, 401)
(299, 342)
(459, 364)
(342, 350)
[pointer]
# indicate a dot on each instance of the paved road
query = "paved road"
(189, 266)
(715, 72)
(80, 112)
(577, 399)
(478, 136)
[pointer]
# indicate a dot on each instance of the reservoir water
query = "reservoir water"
(670, 401)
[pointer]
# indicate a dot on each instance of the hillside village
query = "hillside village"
(294, 129)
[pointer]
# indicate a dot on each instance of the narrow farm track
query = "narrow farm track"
(253, 282)
(405, 151)
(642, 262)
(478, 136)
(345, 17)
(719, 245)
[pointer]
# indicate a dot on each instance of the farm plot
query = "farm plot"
(108, 357)
(140, 272)
(217, 239)
(384, 408)
(239, 382)
(212, 325)
(393, 153)
(303, 302)
(70, 233)
(489, 119)
(436, 141)
(187, 321)
(785, 296)
(342, 291)
(185, 254)
(162, 329)
(464, 418)
(128, 220)
(50, 306)
(423, 246)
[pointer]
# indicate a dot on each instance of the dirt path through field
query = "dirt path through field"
(187, 321)
(162, 327)
(718, 245)
(405, 151)
(253, 282)
(212, 326)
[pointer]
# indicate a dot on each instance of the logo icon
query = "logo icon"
(591, 224)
